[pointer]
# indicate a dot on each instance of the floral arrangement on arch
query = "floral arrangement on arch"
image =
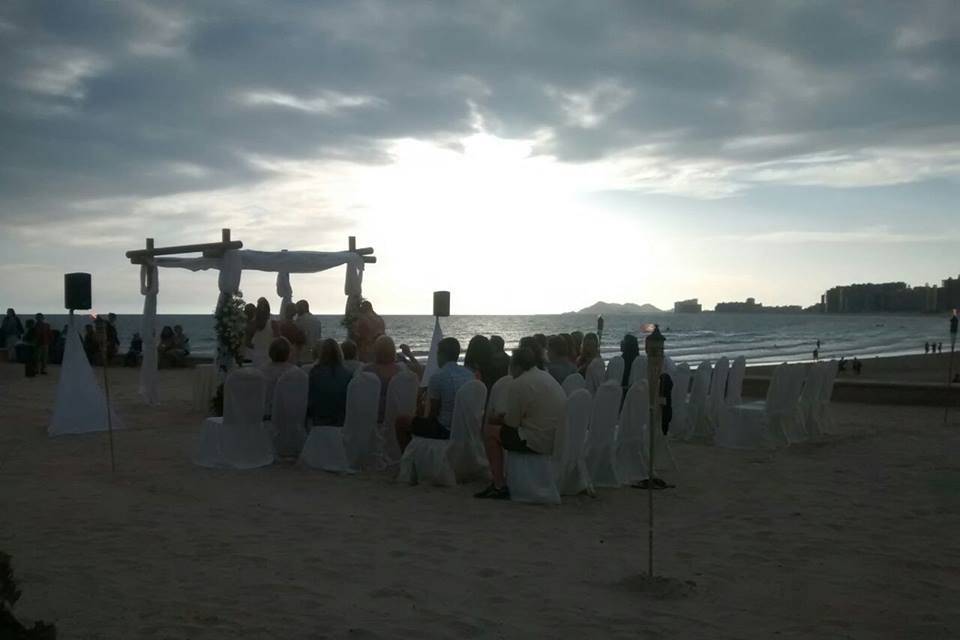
(231, 327)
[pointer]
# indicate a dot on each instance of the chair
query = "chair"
(718, 385)
(735, 381)
(531, 478)
(573, 382)
(820, 419)
(349, 448)
(634, 418)
(601, 438)
(238, 440)
(596, 373)
(570, 459)
(764, 424)
(790, 416)
(697, 402)
(498, 396)
(615, 369)
(681, 384)
(638, 370)
(401, 401)
(289, 415)
(462, 457)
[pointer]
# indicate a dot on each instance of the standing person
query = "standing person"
(181, 340)
(577, 345)
(629, 350)
(536, 407)
(442, 393)
(264, 331)
(309, 325)
(135, 352)
(250, 313)
(499, 360)
(287, 328)
(113, 338)
(91, 345)
(939, 347)
(559, 365)
(41, 340)
(926, 347)
(327, 395)
(366, 329)
(11, 330)
(30, 348)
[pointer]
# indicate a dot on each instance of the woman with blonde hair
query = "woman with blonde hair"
(384, 366)
(590, 364)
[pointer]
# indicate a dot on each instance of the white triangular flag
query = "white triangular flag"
(432, 366)
(80, 406)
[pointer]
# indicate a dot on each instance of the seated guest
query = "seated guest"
(135, 352)
(279, 364)
(411, 360)
(590, 365)
(542, 341)
(287, 328)
(181, 340)
(384, 366)
(479, 360)
(442, 393)
(533, 344)
(577, 337)
(559, 365)
(536, 405)
(499, 360)
(327, 399)
(350, 362)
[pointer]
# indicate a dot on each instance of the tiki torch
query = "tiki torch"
(653, 346)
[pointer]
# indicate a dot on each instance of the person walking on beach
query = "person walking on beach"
(41, 341)
(11, 330)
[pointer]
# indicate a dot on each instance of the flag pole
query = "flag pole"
(102, 336)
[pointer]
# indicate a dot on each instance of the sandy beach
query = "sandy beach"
(854, 537)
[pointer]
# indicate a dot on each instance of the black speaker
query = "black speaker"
(441, 304)
(76, 291)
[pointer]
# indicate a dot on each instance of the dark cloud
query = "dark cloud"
(102, 100)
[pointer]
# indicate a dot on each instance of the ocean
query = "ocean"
(762, 338)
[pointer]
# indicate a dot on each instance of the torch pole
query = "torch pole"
(953, 346)
(654, 350)
(106, 389)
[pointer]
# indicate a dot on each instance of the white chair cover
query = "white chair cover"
(289, 414)
(697, 403)
(822, 421)
(596, 373)
(570, 456)
(681, 383)
(615, 369)
(789, 413)
(462, 457)
(324, 450)
(239, 440)
(756, 425)
(638, 370)
(601, 439)
(401, 401)
(498, 396)
(360, 423)
(573, 382)
(735, 381)
(718, 385)
(634, 417)
(530, 478)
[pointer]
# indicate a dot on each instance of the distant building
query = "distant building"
(883, 297)
(948, 295)
(687, 306)
(752, 306)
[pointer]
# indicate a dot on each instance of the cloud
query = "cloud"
(878, 235)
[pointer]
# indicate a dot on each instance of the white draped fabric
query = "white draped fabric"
(573, 382)
(231, 266)
(530, 478)
(697, 403)
(289, 412)
(601, 439)
(401, 401)
(462, 457)
(718, 388)
(570, 450)
(284, 292)
(349, 448)
(238, 440)
(149, 288)
(735, 381)
(596, 372)
(678, 398)
(631, 462)
(615, 369)
(80, 405)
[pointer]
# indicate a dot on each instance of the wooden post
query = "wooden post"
(352, 243)
(149, 244)
(225, 235)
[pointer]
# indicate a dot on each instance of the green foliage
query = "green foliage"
(231, 327)
(10, 627)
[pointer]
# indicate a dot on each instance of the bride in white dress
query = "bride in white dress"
(263, 334)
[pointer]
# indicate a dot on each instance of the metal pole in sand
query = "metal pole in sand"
(953, 346)
(102, 335)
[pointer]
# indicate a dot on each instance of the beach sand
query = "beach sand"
(855, 537)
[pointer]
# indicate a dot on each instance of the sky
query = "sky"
(529, 157)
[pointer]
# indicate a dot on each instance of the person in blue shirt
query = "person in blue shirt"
(442, 393)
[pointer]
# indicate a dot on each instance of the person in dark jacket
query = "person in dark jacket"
(327, 395)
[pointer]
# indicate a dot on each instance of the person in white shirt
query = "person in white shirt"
(309, 324)
(536, 404)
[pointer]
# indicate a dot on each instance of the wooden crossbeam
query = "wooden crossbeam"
(209, 249)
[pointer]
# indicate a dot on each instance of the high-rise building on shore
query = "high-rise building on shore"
(687, 306)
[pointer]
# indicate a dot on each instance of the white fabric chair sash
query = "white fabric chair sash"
(631, 465)
(596, 373)
(530, 478)
(289, 412)
(697, 403)
(601, 439)
(401, 401)
(573, 382)
(570, 457)
(239, 440)
(615, 369)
